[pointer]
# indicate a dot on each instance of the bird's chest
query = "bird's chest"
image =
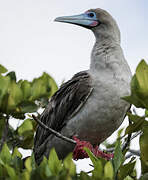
(101, 114)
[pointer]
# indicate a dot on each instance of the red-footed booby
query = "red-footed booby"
(89, 106)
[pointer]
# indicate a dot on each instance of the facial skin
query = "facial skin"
(97, 20)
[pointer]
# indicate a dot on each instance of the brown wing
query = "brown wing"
(64, 104)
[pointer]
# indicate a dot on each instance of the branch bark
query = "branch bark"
(59, 135)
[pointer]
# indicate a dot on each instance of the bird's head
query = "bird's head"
(98, 20)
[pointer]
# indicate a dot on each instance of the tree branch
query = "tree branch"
(123, 147)
(132, 152)
(127, 143)
(57, 134)
(136, 134)
(5, 132)
(135, 152)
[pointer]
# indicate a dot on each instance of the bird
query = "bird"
(89, 106)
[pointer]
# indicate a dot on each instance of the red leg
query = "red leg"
(79, 153)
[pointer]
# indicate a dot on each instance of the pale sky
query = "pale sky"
(31, 42)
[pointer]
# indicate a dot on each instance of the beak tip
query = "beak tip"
(57, 19)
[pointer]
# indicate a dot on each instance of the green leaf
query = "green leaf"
(4, 84)
(42, 87)
(146, 113)
(26, 126)
(26, 133)
(15, 96)
(97, 173)
(128, 178)
(17, 164)
(120, 132)
(44, 169)
(5, 155)
(26, 89)
(69, 165)
(52, 83)
(126, 170)
(91, 156)
(3, 69)
(2, 125)
(144, 148)
(84, 176)
(16, 153)
(118, 157)
(28, 107)
(38, 89)
(12, 75)
(30, 164)
(135, 126)
(139, 87)
(134, 98)
(108, 170)
(54, 163)
(43, 102)
(97, 163)
(134, 118)
(26, 175)
(11, 172)
(144, 177)
(26, 141)
(142, 77)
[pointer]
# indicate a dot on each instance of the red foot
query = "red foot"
(79, 152)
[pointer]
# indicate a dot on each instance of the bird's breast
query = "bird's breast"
(103, 111)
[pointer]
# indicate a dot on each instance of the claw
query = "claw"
(79, 152)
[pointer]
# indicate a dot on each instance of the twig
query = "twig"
(134, 111)
(5, 132)
(132, 152)
(127, 143)
(91, 165)
(110, 149)
(59, 135)
(135, 135)
(135, 152)
(88, 172)
(128, 156)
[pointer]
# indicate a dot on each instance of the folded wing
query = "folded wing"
(63, 105)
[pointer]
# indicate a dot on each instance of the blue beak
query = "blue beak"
(81, 20)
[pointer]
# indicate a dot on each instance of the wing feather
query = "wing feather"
(64, 104)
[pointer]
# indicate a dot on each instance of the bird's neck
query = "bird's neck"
(103, 53)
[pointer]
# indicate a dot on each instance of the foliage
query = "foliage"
(19, 98)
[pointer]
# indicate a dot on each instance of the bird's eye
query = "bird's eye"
(91, 14)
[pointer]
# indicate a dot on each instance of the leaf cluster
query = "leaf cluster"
(139, 98)
(11, 167)
(18, 98)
